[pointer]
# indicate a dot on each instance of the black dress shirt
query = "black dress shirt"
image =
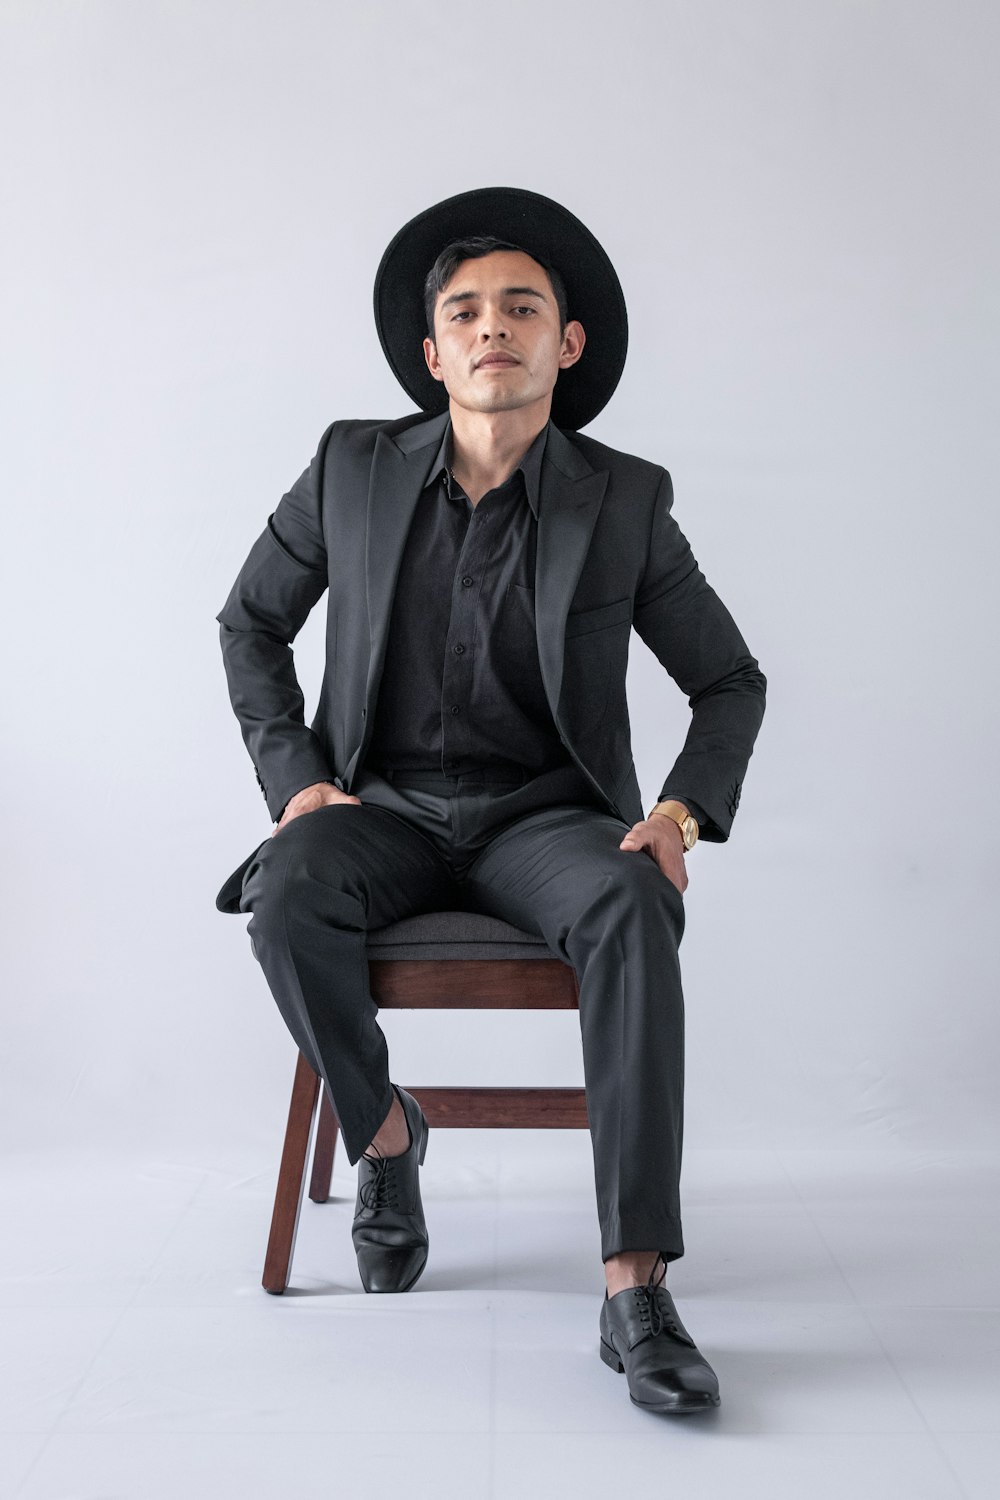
(461, 688)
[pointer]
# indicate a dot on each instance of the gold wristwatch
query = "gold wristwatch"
(680, 815)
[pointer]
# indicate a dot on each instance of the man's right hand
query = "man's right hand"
(320, 794)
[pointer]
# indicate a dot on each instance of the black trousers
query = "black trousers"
(541, 853)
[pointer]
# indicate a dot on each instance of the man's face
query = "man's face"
(501, 304)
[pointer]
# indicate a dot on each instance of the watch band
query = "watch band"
(680, 815)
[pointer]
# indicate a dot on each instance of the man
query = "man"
(485, 564)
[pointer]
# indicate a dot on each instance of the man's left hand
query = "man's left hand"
(662, 840)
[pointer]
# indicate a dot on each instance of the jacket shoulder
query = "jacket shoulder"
(627, 466)
(360, 434)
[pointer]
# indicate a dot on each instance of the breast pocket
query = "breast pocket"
(517, 618)
(600, 617)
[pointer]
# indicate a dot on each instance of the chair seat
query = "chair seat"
(451, 934)
(454, 934)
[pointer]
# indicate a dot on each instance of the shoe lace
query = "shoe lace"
(653, 1309)
(380, 1189)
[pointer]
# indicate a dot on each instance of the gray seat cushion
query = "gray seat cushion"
(454, 934)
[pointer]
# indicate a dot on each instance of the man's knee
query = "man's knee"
(636, 890)
(644, 883)
(300, 869)
(629, 887)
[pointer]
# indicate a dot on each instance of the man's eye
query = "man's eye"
(522, 307)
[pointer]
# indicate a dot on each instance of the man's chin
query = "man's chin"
(494, 400)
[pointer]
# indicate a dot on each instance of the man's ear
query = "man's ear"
(574, 339)
(430, 352)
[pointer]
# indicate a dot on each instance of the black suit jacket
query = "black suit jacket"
(609, 556)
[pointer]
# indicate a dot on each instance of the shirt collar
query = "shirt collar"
(530, 465)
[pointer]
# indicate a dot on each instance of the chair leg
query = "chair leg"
(291, 1178)
(327, 1132)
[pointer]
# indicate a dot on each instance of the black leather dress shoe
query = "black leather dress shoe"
(642, 1335)
(389, 1233)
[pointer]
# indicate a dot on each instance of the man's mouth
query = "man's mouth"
(495, 359)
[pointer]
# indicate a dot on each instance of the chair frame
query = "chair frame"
(545, 983)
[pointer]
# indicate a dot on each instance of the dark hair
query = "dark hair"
(472, 248)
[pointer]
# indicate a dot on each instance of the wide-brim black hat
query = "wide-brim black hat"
(546, 231)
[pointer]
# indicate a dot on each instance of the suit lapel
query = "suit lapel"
(400, 468)
(570, 498)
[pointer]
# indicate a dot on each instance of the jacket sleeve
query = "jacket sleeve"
(284, 575)
(684, 622)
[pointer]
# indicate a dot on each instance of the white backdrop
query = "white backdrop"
(800, 203)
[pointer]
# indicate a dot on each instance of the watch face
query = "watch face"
(689, 828)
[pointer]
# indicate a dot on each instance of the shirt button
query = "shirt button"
(466, 581)
(458, 649)
(455, 708)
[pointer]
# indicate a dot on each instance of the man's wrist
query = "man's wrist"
(678, 813)
(672, 808)
(696, 811)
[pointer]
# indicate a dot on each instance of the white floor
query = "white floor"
(848, 1301)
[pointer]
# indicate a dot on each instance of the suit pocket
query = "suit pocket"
(600, 617)
(517, 619)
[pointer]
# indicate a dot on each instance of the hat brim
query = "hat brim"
(547, 231)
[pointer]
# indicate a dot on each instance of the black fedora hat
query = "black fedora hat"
(546, 231)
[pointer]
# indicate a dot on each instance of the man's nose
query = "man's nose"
(492, 325)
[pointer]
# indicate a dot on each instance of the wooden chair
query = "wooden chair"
(436, 961)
